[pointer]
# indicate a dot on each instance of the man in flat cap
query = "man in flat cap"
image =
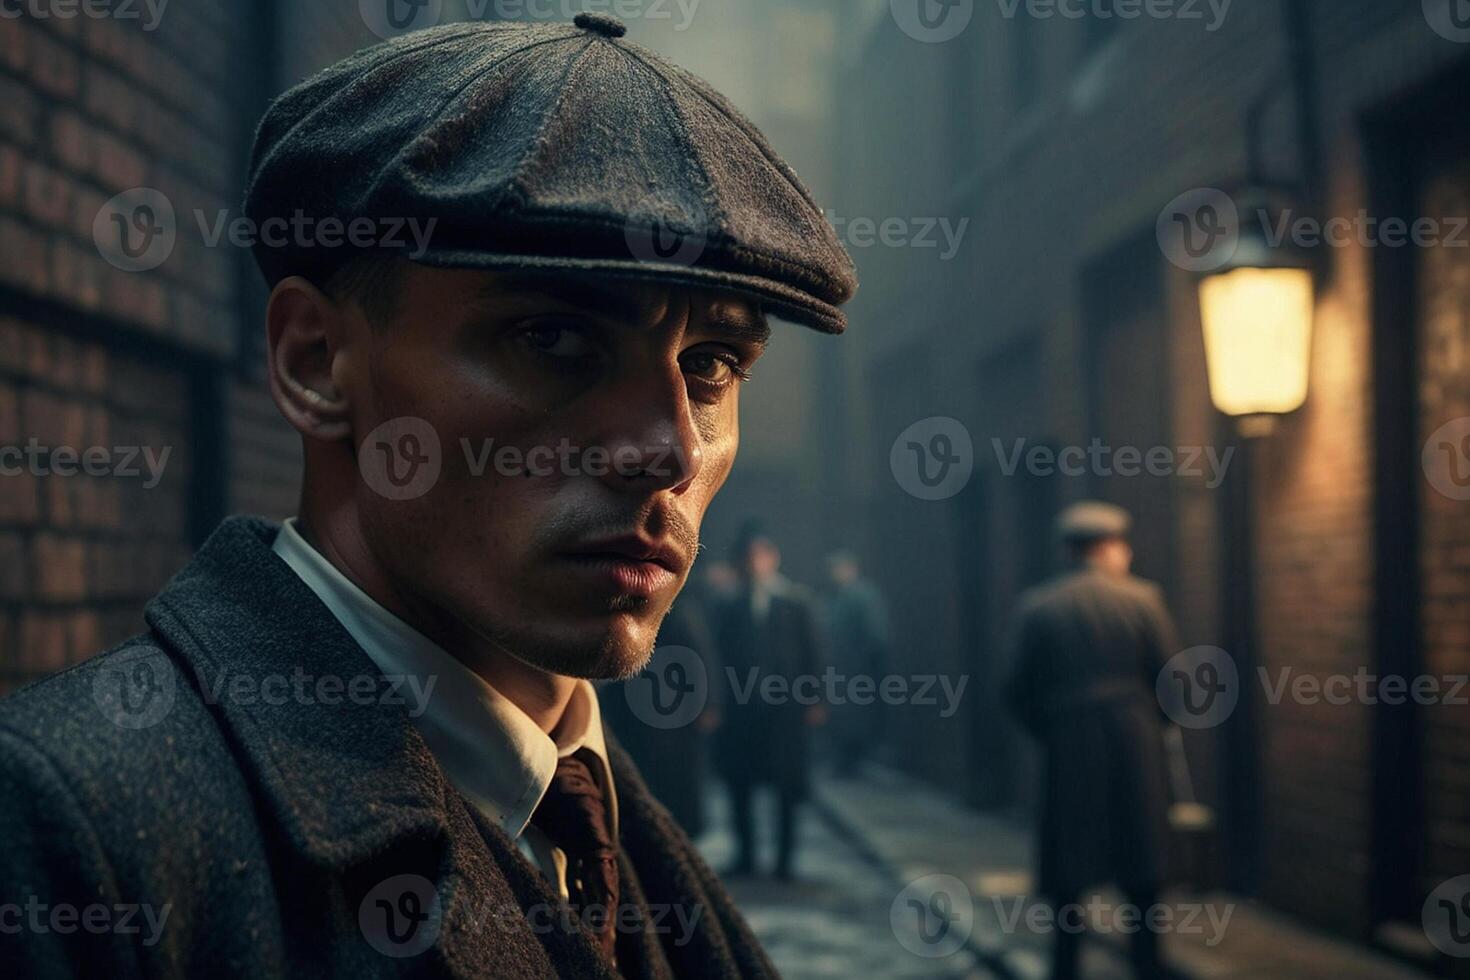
(1088, 649)
(365, 743)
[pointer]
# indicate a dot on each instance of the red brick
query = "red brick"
(47, 194)
(14, 581)
(72, 140)
(43, 643)
(59, 565)
(55, 70)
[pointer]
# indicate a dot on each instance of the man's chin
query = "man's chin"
(615, 648)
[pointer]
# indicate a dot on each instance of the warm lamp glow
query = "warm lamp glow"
(1258, 339)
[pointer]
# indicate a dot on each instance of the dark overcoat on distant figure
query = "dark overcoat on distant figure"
(672, 760)
(765, 740)
(1088, 649)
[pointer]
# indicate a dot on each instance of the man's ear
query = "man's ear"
(305, 334)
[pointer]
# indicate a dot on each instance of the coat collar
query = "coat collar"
(323, 735)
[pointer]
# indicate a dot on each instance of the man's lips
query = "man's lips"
(630, 565)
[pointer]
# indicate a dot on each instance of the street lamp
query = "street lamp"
(1257, 307)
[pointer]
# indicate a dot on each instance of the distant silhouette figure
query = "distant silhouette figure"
(1089, 646)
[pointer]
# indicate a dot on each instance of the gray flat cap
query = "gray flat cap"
(1092, 520)
(557, 147)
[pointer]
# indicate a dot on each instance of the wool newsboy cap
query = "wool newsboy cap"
(1092, 520)
(552, 147)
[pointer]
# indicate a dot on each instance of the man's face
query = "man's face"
(602, 415)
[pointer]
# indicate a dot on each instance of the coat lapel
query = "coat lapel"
(348, 781)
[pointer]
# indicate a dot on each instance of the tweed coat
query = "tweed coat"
(1088, 649)
(276, 828)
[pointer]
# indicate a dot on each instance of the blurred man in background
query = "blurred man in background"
(858, 627)
(1089, 646)
(767, 630)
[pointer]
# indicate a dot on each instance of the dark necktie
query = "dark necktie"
(573, 816)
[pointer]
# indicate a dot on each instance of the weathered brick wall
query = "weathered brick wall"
(95, 356)
(1069, 174)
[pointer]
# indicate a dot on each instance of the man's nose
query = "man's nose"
(651, 434)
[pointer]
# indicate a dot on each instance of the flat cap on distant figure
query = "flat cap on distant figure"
(558, 147)
(1092, 520)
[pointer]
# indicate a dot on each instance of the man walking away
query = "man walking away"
(1088, 648)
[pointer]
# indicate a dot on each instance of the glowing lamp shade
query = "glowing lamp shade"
(1258, 338)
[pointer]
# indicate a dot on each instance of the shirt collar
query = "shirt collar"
(491, 749)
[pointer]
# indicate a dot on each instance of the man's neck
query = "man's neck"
(542, 695)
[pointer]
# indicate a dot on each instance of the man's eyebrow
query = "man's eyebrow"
(605, 298)
(754, 329)
(588, 295)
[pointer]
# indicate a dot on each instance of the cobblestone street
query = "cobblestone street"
(834, 920)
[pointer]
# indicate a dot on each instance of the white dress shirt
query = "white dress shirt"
(493, 752)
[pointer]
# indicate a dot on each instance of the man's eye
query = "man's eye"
(717, 368)
(556, 340)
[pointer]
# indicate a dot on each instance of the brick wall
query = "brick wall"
(95, 356)
(1071, 173)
